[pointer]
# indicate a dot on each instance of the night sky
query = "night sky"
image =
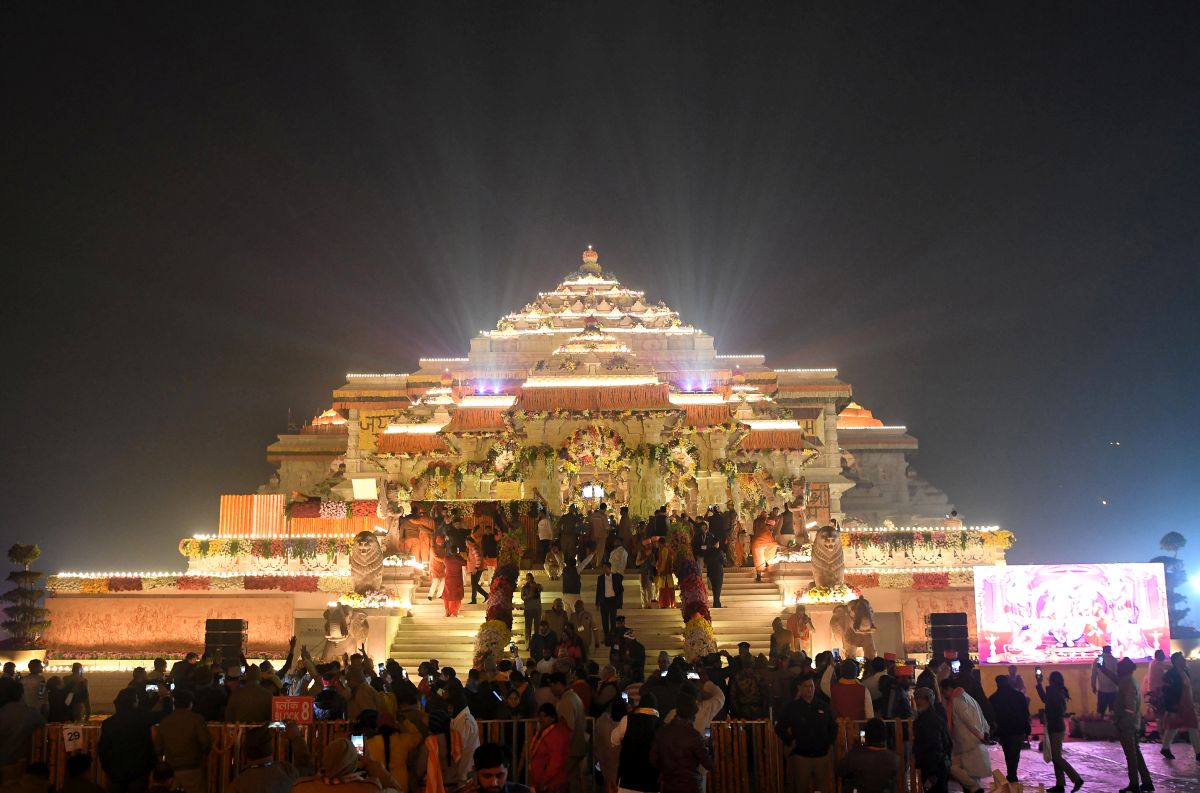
(987, 219)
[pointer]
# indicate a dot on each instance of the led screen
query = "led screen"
(1064, 613)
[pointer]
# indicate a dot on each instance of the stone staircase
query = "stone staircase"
(748, 609)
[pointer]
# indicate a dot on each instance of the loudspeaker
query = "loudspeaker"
(941, 618)
(225, 639)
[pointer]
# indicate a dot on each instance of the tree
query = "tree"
(1176, 577)
(24, 621)
(1172, 541)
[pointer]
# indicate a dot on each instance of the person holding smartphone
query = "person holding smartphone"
(1055, 698)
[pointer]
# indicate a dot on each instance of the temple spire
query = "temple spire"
(591, 262)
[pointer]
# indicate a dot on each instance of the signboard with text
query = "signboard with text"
(297, 709)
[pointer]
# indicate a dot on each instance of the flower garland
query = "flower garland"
(698, 638)
(375, 599)
(493, 637)
(198, 583)
(903, 580)
(839, 593)
(285, 548)
(496, 630)
(926, 542)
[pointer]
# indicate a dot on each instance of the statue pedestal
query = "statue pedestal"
(792, 577)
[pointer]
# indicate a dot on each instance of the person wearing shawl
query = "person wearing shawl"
(968, 730)
(452, 593)
(339, 774)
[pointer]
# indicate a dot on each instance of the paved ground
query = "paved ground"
(1102, 766)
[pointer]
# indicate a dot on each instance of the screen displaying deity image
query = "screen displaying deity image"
(1064, 613)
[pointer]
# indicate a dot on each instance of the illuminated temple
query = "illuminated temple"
(591, 392)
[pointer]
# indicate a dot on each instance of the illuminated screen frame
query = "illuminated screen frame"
(1065, 613)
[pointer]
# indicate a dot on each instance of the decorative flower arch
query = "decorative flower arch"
(594, 446)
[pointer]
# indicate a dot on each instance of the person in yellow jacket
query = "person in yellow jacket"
(393, 747)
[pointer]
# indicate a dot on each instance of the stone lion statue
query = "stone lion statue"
(828, 558)
(366, 563)
(345, 631)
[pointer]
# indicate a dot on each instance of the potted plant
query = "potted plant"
(24, 620)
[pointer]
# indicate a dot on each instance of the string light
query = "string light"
(917, 529)
(790, 371)
(904, 570)
(361, 376)
(204, 574)
(605, 380)
(443, 360)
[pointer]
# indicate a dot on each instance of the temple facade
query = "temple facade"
(591, 393)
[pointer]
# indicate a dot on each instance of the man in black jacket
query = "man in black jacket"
(807, 725)
(1012, 723)
(126, 749)
(610, 593)
(931, 741)
(712, 548)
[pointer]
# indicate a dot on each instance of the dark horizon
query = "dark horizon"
(986, 218)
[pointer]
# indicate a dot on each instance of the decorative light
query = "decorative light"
(443, 360)
(415, 429)
(884, 570)
(827, 369)
(772, 424)
(359, 376)
(599, 380)
(892, 427)
(697, 398)
(487, 400)
(917, 529)
(727, 357)
(204, 574)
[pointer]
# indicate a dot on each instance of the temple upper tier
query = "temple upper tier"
(594, 358)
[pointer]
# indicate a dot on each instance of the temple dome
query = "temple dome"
(855, 415)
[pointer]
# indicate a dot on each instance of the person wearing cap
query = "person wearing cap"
(870, 767)
(262, 772)
(249, 703)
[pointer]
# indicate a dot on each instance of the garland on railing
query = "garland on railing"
(199, 583)
(908, 542)
(902, 580)
(303, 549)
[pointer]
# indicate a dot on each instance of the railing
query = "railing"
(747, 755)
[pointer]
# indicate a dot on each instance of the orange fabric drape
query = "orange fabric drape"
(708, 415)
(476, 420)
(332, 527)
(412, 443)
(252, 516)
(775, 439)
(433, 774)
(635, 397)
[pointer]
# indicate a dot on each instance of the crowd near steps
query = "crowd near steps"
(748, 607)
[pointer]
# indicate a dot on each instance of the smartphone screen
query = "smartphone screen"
(625, 696)
(357, 740)
(954, 665)
(693, 675)
(151, 688)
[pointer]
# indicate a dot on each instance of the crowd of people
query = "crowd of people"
(648, 731)
(578, 540)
